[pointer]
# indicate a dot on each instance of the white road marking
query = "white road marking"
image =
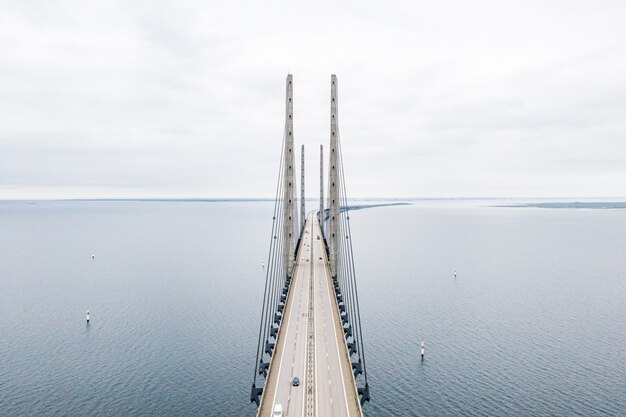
(322, 312)
(343, 382)
(282, 354)
(315, 321)
(308, 287)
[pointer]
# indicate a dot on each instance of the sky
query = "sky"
(185, 99)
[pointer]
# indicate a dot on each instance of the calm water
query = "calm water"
(534, 324)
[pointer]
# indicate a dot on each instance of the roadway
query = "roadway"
(311, 315)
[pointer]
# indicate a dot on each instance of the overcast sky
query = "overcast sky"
(436, 99)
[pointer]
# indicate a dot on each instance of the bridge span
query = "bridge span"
(310, 321)
(323, 366)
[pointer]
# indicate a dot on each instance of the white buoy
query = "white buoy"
(263, 266)
(422, 349)
(87, 314)
(93, 256)
(454, 272)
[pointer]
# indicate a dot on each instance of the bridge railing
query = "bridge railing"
(345, 285)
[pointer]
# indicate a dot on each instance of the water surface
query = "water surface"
(532, 325)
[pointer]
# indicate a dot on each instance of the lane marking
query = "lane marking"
(287, 332)
(312, 288)
(343, 382)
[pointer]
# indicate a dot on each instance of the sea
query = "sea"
(533, 323)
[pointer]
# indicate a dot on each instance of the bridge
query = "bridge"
(310, 321)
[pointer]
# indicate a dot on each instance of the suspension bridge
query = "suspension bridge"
(310, 359)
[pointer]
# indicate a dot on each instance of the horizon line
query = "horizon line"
(262, 199)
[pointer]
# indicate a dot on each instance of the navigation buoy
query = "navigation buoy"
(263, 265)
(87, 314)
(93, 256)
(422, 349)
(454, 272)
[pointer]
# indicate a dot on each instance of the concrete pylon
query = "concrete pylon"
(289, 185)
(302, 204)
(320, 216)
(333, 180)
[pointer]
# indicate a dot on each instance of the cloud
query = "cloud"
(124, 99)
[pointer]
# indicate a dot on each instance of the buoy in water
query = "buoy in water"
(93, 256)
(454, 272)
(422, 349)
(87, 315)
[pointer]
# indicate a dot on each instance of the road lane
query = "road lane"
(333, 385)
(289, 358)
(336, 394)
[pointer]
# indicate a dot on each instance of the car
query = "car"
(295, 382)
(278, 411)
(320, 258)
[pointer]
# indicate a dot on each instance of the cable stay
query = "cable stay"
(341, 256)
(281, 256)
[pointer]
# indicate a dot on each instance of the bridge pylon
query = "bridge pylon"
(333, 181)
(320, 214)
(289, 230)
(302, 199)
(340, 252)
(281, 257)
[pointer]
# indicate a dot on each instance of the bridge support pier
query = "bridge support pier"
(364, 394)
(255, 394)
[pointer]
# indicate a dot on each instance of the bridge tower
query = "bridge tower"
(333, 181)
(289, 238)
(302, 202)
(321, 213)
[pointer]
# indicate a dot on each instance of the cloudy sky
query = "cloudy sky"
(437, 99)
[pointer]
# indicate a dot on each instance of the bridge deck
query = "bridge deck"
(311, 314)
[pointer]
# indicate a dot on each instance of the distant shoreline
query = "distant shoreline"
(370, 202)
(570, 205)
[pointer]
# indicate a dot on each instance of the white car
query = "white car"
(278, 411)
